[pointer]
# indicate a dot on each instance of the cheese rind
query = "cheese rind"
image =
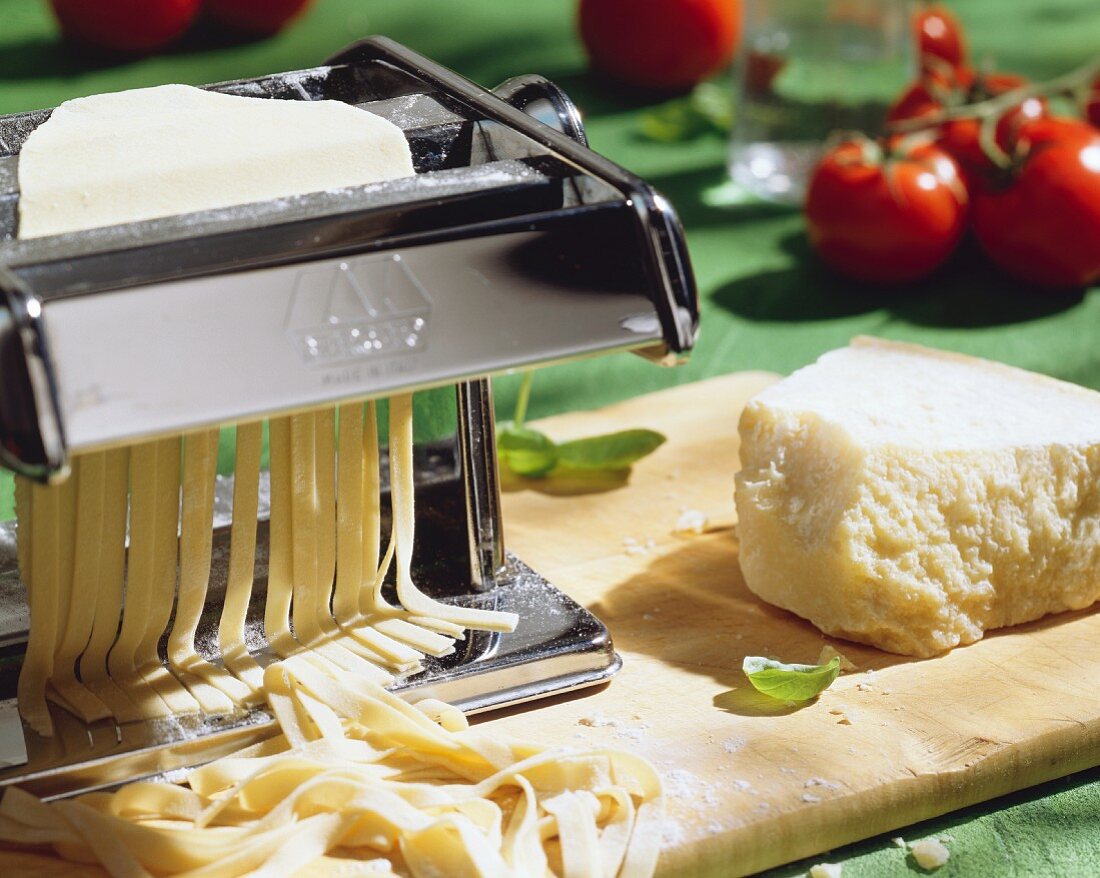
(913, 500)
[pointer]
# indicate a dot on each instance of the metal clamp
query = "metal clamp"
(32, 441)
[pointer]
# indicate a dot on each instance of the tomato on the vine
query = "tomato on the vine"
(1092, 106)
(886, 217)
(1043, 227)
(1037, 134)
(939, 36)
(935, 91)
(939, 91)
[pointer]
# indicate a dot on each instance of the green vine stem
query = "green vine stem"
(1075, 84)
(522, 398)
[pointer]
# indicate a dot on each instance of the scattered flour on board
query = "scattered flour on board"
(622, 729)
(688, 793)
(634, 546)
(672, 833)
(690, 788)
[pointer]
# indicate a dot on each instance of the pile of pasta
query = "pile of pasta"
(359, 782)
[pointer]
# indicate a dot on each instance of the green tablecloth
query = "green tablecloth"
(766, 305)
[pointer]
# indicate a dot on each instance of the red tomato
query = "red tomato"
(940, 40)
(660, 44)
(1092, 108)
(961, 137)
(938, 91)
(257, 16)
(1044, 226)
(886, 220)
(920, 99)
(125, 25)
(1040, 133)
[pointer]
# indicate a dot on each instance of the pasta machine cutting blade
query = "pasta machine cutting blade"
(514, 246)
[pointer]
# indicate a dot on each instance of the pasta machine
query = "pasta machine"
(514, 246)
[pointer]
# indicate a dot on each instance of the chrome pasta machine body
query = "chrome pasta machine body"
(514, 246)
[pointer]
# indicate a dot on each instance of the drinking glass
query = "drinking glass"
(807, 68)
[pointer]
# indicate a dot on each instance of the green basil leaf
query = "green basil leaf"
(611, 451)
(713, 103)
(707, 110)
(673, 122)
(790, 682)
(528, 452)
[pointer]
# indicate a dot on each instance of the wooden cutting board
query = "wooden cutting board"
(753, 783)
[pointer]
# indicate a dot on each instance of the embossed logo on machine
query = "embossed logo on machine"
(366, 308)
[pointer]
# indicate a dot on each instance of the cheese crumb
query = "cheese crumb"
(691, 521)
(898, 842)
(929, 853)
(825, 870)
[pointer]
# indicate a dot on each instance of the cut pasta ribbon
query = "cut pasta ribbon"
(359, 782)
(100, 658)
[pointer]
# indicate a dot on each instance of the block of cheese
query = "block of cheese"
(153, 152)
(914, 499)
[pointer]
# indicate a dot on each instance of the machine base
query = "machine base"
(558, 646)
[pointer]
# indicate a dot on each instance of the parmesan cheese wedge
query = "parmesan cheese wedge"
(914, 499)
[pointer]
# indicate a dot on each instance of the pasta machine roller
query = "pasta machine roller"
(514, 246)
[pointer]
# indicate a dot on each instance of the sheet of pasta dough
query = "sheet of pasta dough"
(154, 152)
